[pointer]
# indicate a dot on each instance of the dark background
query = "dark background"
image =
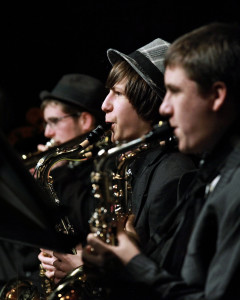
(39, 43)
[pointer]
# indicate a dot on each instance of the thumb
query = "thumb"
(130, 230)
(121, 221)
(42, 147)
(129, 224)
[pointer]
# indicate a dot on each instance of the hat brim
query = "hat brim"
(47, 95)
(115, 56)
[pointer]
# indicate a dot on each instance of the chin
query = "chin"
(186, 149)
(113, 138)
(182, 147)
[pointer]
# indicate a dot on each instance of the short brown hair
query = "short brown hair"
(208, 54)
(142, 97)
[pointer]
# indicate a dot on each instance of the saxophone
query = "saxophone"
(79, 152)
(24, 288)
(112, 191)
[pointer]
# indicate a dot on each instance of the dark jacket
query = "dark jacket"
(73, 188)
(210, 265)
(156, 174)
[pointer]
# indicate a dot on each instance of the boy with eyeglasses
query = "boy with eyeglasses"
(72, 109)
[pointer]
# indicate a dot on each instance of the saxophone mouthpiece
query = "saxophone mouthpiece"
(96, 134)
(51, 143)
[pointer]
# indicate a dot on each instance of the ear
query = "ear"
(86, 121)
(219, 95)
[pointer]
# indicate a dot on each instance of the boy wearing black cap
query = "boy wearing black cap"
(73, 107)
(70, 110)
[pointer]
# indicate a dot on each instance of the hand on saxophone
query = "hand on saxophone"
(42, 148)
(97, 252)
(66, 263)
(58, 265)
(47, 259)
(130, 230)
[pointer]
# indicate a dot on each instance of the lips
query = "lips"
(175, 130)
(174, 127)
(112, 124)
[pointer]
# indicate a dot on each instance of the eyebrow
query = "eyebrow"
(52, 118)
(172, 87)
(118, 88)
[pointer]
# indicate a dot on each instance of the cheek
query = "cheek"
(66, 131)
(190, 129)
(123, 114)
(185, 113)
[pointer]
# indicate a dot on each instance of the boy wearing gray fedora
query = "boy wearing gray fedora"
(136, 90)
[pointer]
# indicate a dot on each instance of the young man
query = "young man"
(136, 90)
(202, 104)
(71, 110)
(73, 107)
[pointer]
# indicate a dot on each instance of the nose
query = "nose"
(107, 103)
(49, 132)
(165, 108)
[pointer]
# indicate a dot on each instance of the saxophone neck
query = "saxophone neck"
(66, 152)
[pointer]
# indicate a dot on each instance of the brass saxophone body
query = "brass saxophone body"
(112, 191)
(31, 159)
(78, 152)
(17, 289)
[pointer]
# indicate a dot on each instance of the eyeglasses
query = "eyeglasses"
(53, 122)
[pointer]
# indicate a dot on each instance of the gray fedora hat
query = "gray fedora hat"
(81, 90)
(147, 61)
